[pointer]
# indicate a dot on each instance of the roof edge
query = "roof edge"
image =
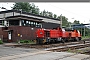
(7, 11)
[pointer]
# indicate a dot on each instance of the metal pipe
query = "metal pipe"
(84, 29)
(61, 21)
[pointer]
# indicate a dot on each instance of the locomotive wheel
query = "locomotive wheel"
(65, 40)
(39, 41)
(68, 40)
(62, 41)
(77, 39)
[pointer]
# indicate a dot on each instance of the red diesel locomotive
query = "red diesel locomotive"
(56, 35)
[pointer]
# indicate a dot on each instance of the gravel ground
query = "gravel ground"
(85, 50)
(31, 54)
(6, 51)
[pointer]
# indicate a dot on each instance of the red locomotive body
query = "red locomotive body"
(74, 35)
(56, 35)
(78, 35)
(42, 35)
(65, 35)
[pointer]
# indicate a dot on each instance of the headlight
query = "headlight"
(48, 37)
(40, 32)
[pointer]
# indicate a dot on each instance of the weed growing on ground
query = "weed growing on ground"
(26, 41)
(1, 42)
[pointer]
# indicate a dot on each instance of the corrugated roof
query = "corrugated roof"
(24, 17)
(26, 13)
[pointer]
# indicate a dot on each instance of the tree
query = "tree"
(76, 22)
(69, 24)
(34, 9)
(64, 21)
(44, 13)
(50, 14)
(41, 13)
(25, 6)
(54, 16)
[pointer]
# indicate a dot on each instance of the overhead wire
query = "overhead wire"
(68, 11)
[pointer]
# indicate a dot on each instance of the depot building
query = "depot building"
(18, 25)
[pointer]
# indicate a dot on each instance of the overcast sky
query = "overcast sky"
(76, 10)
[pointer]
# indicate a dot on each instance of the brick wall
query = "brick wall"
(26, 33)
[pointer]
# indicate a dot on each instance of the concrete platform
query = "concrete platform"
(11, 44)
(47, 55)
(9, 51)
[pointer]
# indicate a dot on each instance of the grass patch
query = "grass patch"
(1, 42)
(69, 50)
(26, 41)
(74, 51)
(85, 37)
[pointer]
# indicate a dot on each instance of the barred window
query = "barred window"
(1, 22)
(30, 23)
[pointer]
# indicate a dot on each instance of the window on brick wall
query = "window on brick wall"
(14, 22)
(1, 22)
(30, 23)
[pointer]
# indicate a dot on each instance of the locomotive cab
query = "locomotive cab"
(43, 35)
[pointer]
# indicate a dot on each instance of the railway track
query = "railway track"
(67, 47)
(72, 46)
(45, 46)
(58, 46)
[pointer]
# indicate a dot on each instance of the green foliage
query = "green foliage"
(55, 16)
(41, 13)
(27, 7)
(25, 41)
(69, 50)
(85, 37)
(64, 21)
(87, 32)
(76, 22)
(44, 13)
(34, 9)
(50, 14)
(1, 42)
